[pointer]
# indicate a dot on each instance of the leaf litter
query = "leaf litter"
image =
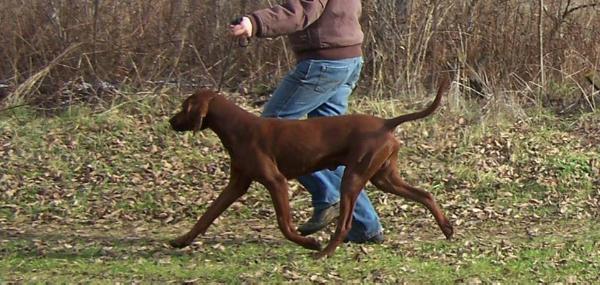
(81, 180)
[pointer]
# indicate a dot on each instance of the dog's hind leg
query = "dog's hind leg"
(237, 187)
(355, 177)
(352, 184)
(388, 180)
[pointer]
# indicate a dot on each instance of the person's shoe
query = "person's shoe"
(320, 219)
(376, 239)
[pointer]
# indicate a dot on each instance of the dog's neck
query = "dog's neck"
(229, 122)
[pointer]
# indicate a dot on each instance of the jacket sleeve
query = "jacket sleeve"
(286, 18)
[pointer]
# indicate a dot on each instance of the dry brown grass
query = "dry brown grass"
(489, 45)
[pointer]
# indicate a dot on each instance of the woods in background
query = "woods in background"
(47, 47)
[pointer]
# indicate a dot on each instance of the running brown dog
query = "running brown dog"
(271, 151)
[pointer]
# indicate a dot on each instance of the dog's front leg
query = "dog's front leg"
(237, 187)
(278, 189)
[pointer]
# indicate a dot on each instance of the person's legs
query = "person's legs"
(365, 220)
(321, 88)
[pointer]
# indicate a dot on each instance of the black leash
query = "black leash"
(242, 42)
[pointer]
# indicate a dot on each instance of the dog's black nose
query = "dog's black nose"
(175, 125)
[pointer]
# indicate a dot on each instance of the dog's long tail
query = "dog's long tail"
(443, 87)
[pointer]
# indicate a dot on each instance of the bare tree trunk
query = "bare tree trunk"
(95, 35)
(176, 22)
(403, 9)
(541, 42)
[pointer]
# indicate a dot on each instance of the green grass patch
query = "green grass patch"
(557, 258)
(91, 196)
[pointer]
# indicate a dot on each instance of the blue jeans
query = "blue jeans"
(321, 88)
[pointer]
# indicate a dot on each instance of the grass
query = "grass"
(93, 197)
(101, 256)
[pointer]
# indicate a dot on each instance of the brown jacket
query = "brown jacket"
(316, 29)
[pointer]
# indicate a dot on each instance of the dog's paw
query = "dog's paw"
(319, 255)
(312, 244)
(448, 230)
(180, 242)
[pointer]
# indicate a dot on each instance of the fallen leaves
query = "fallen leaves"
(503, 190)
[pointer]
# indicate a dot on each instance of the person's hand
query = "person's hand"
(243, 29)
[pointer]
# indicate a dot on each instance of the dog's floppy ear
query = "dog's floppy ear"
(198, 109)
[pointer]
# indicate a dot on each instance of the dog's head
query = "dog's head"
(193, 112)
